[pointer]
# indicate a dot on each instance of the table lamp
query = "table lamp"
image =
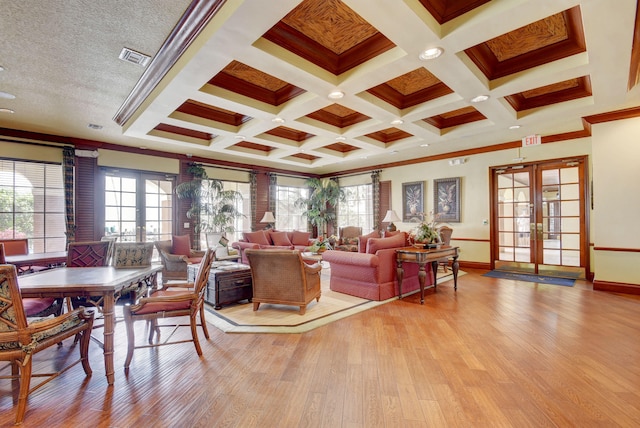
(269, 219)
(391, 217)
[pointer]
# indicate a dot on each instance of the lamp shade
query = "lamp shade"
(268, 217)
(391, 217)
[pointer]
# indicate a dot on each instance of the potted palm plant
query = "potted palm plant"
(212, 207)
(320, 206)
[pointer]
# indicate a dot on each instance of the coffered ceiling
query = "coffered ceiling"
(250, 82)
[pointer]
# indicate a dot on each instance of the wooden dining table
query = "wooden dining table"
(106, 282)
(24, 262)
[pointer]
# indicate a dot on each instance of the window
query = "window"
(357, 209)
(288, 216)
(32, 204)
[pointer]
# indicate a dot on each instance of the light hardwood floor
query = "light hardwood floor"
(496, 353)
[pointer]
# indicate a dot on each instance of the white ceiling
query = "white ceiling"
(61, 63)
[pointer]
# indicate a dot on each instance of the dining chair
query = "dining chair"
(445, 233)
(89, 254)
(183, 299)
(36, 306)
(20, 339)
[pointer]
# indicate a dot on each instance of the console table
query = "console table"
(422, 257)
(228, 283)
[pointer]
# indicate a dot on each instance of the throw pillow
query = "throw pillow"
(375, 244)
(280, 238)
(300, 238)
(258, 237)
(362, 240)
(181, 245)
(350, 241)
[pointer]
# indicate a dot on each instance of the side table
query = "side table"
(228, 283)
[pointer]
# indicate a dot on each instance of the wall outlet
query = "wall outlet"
(186, 225)
(485, 222)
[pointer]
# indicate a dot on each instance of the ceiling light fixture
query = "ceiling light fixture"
(6, 110)
(7, 96)
(341, 138)
(424, 145)
(479, 98)
(397, 122)
(336, 95)
(1, 68)
(277, 120)
(431, 53)
(514, 127)
(240, 137)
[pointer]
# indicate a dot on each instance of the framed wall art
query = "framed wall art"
(446, 199)
(413, 201)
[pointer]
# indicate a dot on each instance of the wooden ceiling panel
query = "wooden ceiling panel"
(455, 118)
(338, 116)
(245, 80)
(410, 89)
(305, 156)
(254, 146)
(206, 111)
(445, 10)
(341, 147)
(551, 94)
(289, 134)
(389, 135)
(555, 37)
(328, 34)
(184, 131)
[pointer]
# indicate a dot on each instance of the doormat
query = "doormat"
(540, 279)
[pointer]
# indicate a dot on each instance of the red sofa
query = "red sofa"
(370, 273)
(272, 240)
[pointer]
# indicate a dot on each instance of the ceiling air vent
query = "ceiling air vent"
(134, 57)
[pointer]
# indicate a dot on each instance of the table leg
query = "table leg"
(108, 311)
(454, 268)
(400, 274)
(434, 268)
(422, 276)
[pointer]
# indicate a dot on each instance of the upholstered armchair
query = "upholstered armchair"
(175, 255)
(282, 277)
(348, 238)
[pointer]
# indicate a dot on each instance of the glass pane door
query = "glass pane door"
(138, 208)
(540, 219)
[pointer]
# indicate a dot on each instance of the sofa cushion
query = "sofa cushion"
(280, 238)
(362, 240)
(375, 244)
(387, 234)
(258, 237)
(300, 238)
(181, 245)
(276, 247)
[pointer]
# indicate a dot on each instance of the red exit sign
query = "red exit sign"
(531, 140)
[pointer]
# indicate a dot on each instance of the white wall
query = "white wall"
(616, 197)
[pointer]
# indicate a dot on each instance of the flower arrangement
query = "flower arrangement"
(320, 245)
(426, 232)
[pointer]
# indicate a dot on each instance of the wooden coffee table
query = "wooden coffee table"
(229, 282)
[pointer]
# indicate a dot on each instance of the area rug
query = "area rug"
(540, 279)
(333, 306)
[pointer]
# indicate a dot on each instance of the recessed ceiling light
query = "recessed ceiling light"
(336, 95)
(143, 147)
(240, 137)
(1, 68)
(394, 152)
(6, 110)
(7, 96)
(341, 138)
(424, 145)
(479, 98)
(514, 127)
(397, 122)
(277, 120)
(431, 53)
(94, 126)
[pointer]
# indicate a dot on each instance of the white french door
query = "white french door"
(539, 218)
(138, 206)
